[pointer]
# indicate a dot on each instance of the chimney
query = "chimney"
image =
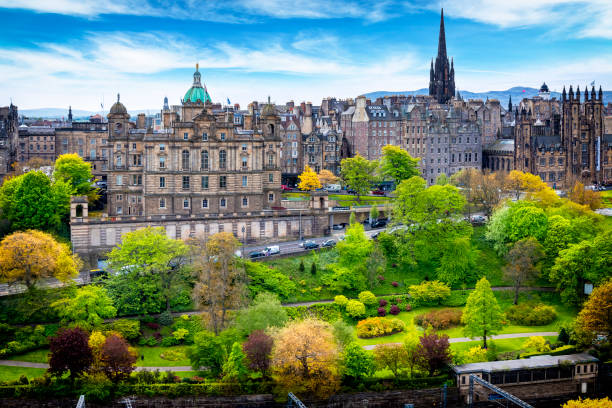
(141, 121)
(307, 121)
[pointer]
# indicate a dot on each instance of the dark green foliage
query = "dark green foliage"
(531, 314)
(193, 324)
(134, 293)
(165, 318)
(358, 364)
(301, 267)
(17, 340)
(313, 269)
(211, 351)
(563, 336)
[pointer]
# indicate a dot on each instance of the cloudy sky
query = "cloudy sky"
(55, 53)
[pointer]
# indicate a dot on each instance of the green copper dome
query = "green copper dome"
(197, 93)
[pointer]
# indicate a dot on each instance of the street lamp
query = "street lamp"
(243, 234)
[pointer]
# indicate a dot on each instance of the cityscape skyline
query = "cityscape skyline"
(90, 51)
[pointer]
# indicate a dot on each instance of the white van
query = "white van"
(333, 187)
(272, 250)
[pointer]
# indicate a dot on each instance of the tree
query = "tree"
(30, 256)
(355, 247)
(134, 293)
(374, 213)
(309, 181)
(434, 352)
(343, 333)
(537, 343)
(488, 193)
(207, 352)
(585, 196)
(517, 220)
(588, 403)
(396, 164)
(117, 358)
(482, 315)
(72, 169)
(358, 174)
(305, 358)
(149, 251)
(357, 363)
(327, 177)
(70, 351)
(586, 261)
(87, 308)
(32, 201)
(220, 282)
(392, 356)
(412, 344)
(258, 350)
(265, 312)
(235, 369)
(522, 263)
(468, 179)
(596, 314)
(442, 180)
(457, 263)
(35, 163)
(96, 341)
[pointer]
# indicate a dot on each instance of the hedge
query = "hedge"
(559, 351)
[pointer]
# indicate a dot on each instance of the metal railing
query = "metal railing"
(293, 401)
(501, 397)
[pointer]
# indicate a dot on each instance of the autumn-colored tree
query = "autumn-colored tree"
(482, 315)
(358, 174)
(393, 357)
(309, 181)
(522, 263)
(258, 349)
(327, 177)
(588, 403)
(596, 314)
(488, 193)
(96, 341)
(468, 180)
(150, 252)
(30, 256)
(581, 195)
(434, 352)
(87, 307)
(70, 351)
(220, 282)
(117, 358)
(305, 358)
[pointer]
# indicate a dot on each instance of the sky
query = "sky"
(56, 53)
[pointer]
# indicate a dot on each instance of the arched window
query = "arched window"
(222, 159)
(185, 159)
(204, 159)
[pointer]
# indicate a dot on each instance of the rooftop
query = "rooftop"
(526, 363)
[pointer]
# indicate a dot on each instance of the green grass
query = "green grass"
(342, 199)
(35, 356)
(606, 198)
(503, 345)
(152, 357)
(13, 373)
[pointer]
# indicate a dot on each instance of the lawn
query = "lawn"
(606, 198)
(503, 345)
(13, 373)
(35, 356)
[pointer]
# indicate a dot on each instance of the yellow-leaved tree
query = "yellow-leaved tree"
(96, 341)
(309, 180)
(584, 196)
(589, 403)
(305, 358)
(327, 177)
(594, 318)
(29, 256)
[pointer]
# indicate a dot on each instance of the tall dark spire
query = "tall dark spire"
(442, 74)
(442, 38)
(510, 104)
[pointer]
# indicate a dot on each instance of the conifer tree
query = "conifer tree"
(482, 315)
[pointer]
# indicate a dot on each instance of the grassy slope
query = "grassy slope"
(13, 373)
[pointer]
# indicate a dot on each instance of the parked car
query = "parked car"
(328, 243)
(378, 192)
(338, 226)
(333, 187)
(310, 245)
(272, 250)
(478, 219)
(256, 254)
(379, 223)
(350, 191)
(375, 236)
(285, 187)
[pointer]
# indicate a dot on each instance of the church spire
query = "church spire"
(442, 38)
(442, 74)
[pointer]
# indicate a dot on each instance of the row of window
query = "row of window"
(205, 202)
(205, 162)
(551, 161)
(381, 133)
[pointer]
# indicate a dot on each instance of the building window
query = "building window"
(119, 162)
(185, 182)
(245, 202)
(222, 136)
(271, 197)
(204, 136)
(185, 136)
(162, 203)
(244, 181)
(185, 159)
(119, 180)
(137, 179)
(222, 159)
(186, 203)
(223, 203)
(205, 203)
(119, 210)
(119, 197)
(271, 160)
(204, 182)
(244, 147)
(92, 154)
(162, 182)
(222, 181)
(271, 177)
(162, 162)
(244, 163)
(162, 147)
(205, 159)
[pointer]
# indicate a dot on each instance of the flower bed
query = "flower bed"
(439, 319)
(378, 327)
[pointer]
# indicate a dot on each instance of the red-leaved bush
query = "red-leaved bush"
(394, 284)
(382, 303)
(382, 311)
(439, 319)
(394, 310)
(381, 278)
(152, 325)
(70, 351)
(408, 308)
(258, 349)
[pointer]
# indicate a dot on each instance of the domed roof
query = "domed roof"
(197, 93)
(118, 108)
(544, 87)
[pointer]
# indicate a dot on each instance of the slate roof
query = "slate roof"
(526, 363)
(501, 145)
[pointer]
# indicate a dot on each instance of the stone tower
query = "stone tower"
(442, 74)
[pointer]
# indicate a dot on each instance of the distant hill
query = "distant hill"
(517, 93)
(58, 113)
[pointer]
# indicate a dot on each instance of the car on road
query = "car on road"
(333, 188)
(285, 187)
(379, 223)
(378, 192)
(338, 226)
(478, 219)
(257, 254)
(375, 236)
(328, 243)
(272, 250)
(310, 245)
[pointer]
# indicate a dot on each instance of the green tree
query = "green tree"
(458, 262)
(134, 293)
(150, 251)
(519, 220)
(72, 169)
(266, 311)
(235, 368)
(358, 174)
(522, 263)
(374, 213)
(87, 308)
(482, 315)
(442, 180)
(587, 261)
(396, 164)
(412, 346)
(355, 247)
(393, 357)
(357, 363)
(210, 351)
(343, 333)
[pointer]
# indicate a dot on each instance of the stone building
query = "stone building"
(36, 142)
(292, 158)
(442, 74)
(87, 139)
(9, 136)
(200, 164)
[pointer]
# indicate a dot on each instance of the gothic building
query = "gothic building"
(442, 74)
(8, 138)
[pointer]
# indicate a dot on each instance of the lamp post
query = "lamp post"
(300, 238)
(243, 234)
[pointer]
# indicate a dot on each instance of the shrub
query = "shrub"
(382, 311)
(341, 300)
(538, 343)
(165, 319)
(382, 303)
(313, 268)
(439, 319)
(530, 314)
(380, 278)
(376, 327)
(301, 268)
(408, 308)
(394, 284)
(152, 325)
(457, 298)
(367, 298)
(394, 310)
(355, 308)
(430, 292)
(170, 341)
(128, 329)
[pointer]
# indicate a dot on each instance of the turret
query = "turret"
(70, 114)
(510, 104)
(586, 93)
(564, 94)
(593, 96)
(600, 94)
(431, 71)
(578, 93)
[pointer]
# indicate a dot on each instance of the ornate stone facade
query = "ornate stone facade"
(442, 74)
(9, 135)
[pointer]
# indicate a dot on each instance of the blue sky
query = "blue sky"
(55, 53)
